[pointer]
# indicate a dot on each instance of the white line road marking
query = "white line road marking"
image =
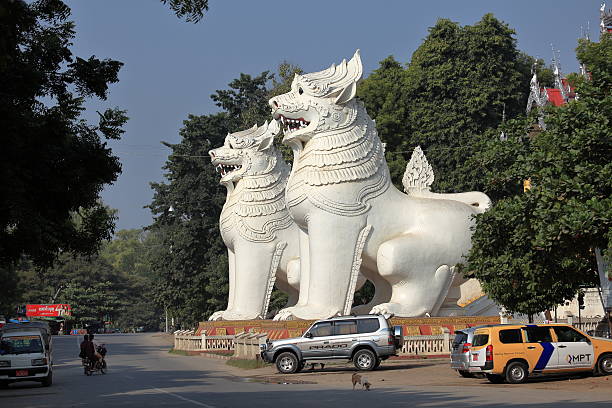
(183, 398)
(175, 395)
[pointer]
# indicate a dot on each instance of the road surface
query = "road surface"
(142, 373)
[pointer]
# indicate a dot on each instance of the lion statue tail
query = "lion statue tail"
(419, 176)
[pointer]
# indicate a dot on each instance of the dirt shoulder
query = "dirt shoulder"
(397, 373)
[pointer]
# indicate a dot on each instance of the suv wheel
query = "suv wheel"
(364, 360)
(516, 372)
(605, 364)
(287, 363)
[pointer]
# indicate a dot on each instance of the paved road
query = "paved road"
(143, 374)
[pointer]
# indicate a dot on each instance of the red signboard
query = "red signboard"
(48, 310)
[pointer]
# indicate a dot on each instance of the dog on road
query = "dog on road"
(359, 379)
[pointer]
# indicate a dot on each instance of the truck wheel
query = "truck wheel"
(287, 363)
(364, 360)
(465, 374)
(48, 380)
(495, 379)
(516, 372)
(605, 364)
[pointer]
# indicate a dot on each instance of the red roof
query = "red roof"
(555, 97)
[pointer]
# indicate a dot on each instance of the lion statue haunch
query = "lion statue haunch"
(261, 238)
(340, 193)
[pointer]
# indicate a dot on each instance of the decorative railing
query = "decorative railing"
(186, 340)
(248, 345)
(436, 344)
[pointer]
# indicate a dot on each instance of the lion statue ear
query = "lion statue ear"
(351, 72)
(346, 94)
(267, 139)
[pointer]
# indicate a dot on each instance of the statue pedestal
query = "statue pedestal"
(413, 326)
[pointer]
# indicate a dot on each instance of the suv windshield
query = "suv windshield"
(21, 345)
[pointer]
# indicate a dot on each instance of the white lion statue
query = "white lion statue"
(261, 238)
(340, 194)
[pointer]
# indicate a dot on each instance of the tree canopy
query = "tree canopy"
(191, 10)
(457, 86)
(113, 286)
(533, 250)
(54, 164)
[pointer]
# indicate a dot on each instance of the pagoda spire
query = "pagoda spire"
(537, 96)
(558, 75)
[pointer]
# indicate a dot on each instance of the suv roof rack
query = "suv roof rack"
(352, 315)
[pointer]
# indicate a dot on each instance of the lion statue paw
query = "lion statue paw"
(284, 314)
(216, 316)
(385, 308)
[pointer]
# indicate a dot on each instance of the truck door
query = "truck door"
(539, 348)
(319, 344)
(345, 336)
(574, 350)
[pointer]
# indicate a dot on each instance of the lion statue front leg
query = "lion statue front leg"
(334, 245)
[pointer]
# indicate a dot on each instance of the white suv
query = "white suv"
(366, 340)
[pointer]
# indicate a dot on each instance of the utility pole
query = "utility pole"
(166, 309)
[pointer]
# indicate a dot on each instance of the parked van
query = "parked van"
(460, 354)
(25, 355)
(513, 352)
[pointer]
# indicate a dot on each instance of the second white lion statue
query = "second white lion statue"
(340, 193)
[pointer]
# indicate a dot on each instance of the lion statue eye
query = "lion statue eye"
(300, 91)
(240, 143)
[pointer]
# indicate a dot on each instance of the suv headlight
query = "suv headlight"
(263, 347)
(5, 363)
(39, 361)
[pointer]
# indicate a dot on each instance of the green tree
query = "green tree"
(191, 10)
(455, 88)
(89, 284)
(533, 250)
(54, 163)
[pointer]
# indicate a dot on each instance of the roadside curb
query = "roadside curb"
(216, 356)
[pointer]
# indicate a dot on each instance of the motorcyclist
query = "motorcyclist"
(90, 352)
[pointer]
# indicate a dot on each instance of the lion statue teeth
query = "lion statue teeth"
(353, 219)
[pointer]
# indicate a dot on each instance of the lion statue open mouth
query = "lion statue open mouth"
(339, 193)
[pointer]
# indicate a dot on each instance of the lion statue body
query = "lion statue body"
(353, 219)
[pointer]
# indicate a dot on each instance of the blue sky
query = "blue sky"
(172, 67)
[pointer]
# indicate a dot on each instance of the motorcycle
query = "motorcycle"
(99, 365)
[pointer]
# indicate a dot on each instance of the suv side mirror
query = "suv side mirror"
(308, 335)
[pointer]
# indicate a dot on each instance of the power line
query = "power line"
(144, 154)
